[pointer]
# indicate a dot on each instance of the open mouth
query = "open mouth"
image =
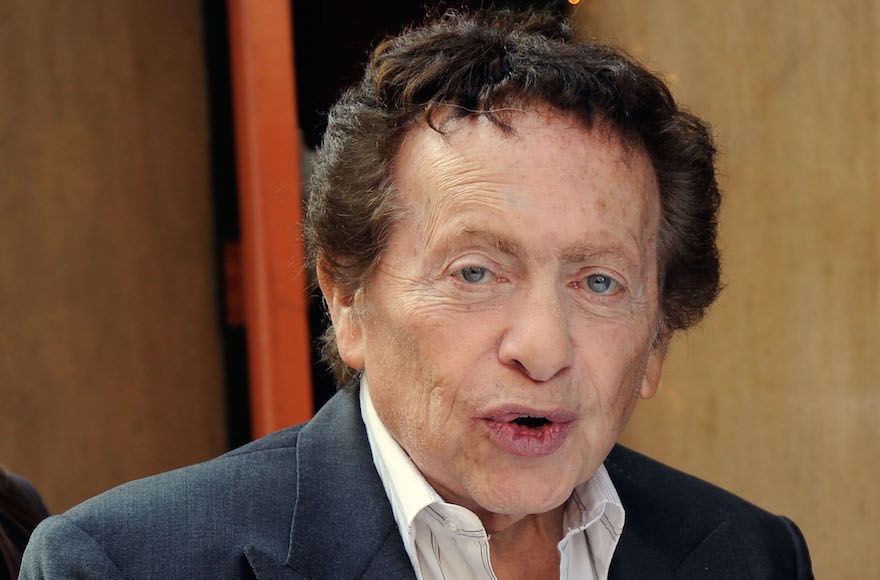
(532, 422)
(529, 433)
(527, 418)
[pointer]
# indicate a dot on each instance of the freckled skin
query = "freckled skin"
(538, 212)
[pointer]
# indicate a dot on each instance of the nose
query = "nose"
(537, 340)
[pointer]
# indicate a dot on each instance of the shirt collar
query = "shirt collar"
(592, 502)
(405, 486)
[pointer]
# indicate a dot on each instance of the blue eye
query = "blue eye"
(602, 284)
(474, 274)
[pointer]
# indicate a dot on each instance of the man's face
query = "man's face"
(510, 326)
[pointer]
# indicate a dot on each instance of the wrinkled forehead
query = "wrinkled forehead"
(460, 157)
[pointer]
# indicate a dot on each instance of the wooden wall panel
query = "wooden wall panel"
(110, 354)
(776, 395)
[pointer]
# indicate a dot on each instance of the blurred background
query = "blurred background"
(152, 313)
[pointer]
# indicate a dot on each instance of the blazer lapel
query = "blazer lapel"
(342, 524)
(637, 558)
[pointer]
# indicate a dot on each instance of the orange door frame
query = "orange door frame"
(270, 201)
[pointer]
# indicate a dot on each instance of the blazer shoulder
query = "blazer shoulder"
(80, 557)
(690, 520)
(283, 439)
(642, 480)
(195, 520)
(268, 463)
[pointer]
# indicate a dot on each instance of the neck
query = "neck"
(526, 547)
(509, 529)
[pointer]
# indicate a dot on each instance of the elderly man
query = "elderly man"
(508, 225)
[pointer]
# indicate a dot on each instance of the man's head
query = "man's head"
(480, 65)
(507, 225)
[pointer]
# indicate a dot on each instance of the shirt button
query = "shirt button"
(452, 526)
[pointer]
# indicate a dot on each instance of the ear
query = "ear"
(651, 382)
(346, 322)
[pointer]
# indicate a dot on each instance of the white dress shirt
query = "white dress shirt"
(445, 541)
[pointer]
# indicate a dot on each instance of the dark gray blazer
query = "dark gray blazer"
(307, 502)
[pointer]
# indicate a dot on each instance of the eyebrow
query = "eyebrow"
(573, 254)
(588, 253)
(500, 243)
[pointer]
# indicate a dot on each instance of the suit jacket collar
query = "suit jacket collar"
(636, 557)
(342, 524)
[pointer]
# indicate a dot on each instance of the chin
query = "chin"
(525, 497)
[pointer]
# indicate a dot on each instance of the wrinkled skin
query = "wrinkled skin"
(524, 274)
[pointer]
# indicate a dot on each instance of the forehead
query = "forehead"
(549, 164)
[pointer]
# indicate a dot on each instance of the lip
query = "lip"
(528, 441)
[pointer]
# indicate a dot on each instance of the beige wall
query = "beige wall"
(777, 396)
(110, 362)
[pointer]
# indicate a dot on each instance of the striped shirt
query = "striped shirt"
(445, 541)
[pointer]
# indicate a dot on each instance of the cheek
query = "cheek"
(404, 382)
(425, 380)
(455, 346)
(615, 360)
